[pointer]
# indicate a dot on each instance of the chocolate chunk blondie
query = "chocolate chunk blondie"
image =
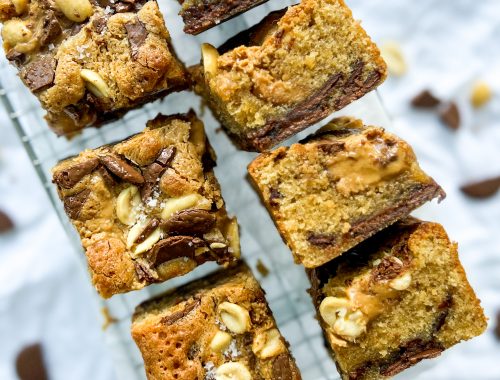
(148, 208)
(216, 328)
(89, 61)
(290, 71)
(338, 187)
(398, 298)
(200, 15)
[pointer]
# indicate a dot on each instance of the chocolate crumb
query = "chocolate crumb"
(6, 223)
(425, 100)
(30, 364)
(321, 240)
(482, 189)
(261, 268)
(450, 116)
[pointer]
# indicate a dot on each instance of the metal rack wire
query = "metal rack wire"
(285, 285)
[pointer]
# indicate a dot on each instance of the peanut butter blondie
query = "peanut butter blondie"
(338, 187)
(89, 61)
(216, 328)
(398, 298)
(148, 208)
(290, 71)
(200, 15)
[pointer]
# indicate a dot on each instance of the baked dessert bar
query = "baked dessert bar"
(216, 328)
(200, 15)
(396, 299)
(293, 69)
(148, 208)
(89, 61)
(338, 187)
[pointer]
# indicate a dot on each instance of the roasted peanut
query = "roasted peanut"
(174, 205)
(15, 32)
(338, 314)
(75, 10)
(235, 317)
(126, 205)
(220, 341)
(402, 282)
(393, 56)
(233, 371)
(233, 235)
(147, 244)
(268, 344)
(95, 84)
(210, 55)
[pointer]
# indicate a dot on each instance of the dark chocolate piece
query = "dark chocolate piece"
(6, 223)
(450, 116)
(425, 100)
(30, 364)
(321, 240)
(137, 34)
(174, 317)
(148, 230)
(174, 247)
(190, 222)
(40, 74)
(70, 176)
(482, 189)
(121, 168)
(73, 204)
(145, 272)
(51, 29)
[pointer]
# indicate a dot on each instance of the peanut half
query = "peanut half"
(338, 314)
(126, 203)
(268, 344)
(210, 55)
(220, 341)
(233, 371)
(75, 10)
(174, 205)
(15, 32)
(95, 84)
(235, 317)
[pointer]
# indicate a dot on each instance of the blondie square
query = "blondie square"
(398, 298)
(338, 187)
(89, 61)
(148, 208)
(216, 328)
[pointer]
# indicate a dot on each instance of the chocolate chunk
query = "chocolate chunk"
(137, 34)
(321, 240)
(388, 269)
(40, 74)
(274, 195)
(148, 230)
(331, 147)
(166, 156)
(425, 100)
(154, 171)
(16, 57)
(30, 364)
(73, 204)
(99, 24)
(451, 116)
(69, 177)
(284, 368)
(174, 317)
(482, 189)
(145, 272)
(107, 177)
(410, 355)
(51, 28)
(81, 114)
(443, 311)
(174, 247)
(6, 223)
(122, 169)
(190, 222)
(497, 327)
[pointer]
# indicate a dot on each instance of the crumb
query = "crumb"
(261, 268)
(6, 223)
(30, 364)
(425, 99)
(482, 189)
(450, 116)
(108, 318)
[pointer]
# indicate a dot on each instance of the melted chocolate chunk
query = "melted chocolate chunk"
(284, 368)
(81, 114)
(16, 57)
(388, 269)
(321, 240)
(425, 100)
(51, 29)
(154, 171)
(331, 147)
(121, 168)
(174, 247)
(274, 195)
(190, 222)
(188, 308)
(148, 230)
(30, 364)
(40, 74)
(137, 34)
(166, 156)
(73, 204)
(6, 223)
(107, 177)
(482, 189)
(145, 272)
(69, 177)
(450, 116)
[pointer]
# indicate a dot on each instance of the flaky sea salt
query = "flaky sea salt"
(232, 350)
(210, 371)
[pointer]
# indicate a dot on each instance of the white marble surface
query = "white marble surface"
(44, 293)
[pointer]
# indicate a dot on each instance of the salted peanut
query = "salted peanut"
(15, 32)
(393, 56)
(233, 233)
(182, 203)
(332, 308)
(401, 282)
(147, 244)
(75, 10)
(232, 371)
(220, 341)
(268, 344)
(235, 317)
(352, 326)
(217, 245)
(481, 94)
(126, 203)
(210, 55)
(95, 84)
(20, 5)
(135, 232)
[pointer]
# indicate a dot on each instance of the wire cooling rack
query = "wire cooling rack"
(285, 285)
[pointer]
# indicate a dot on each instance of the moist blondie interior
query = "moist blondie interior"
(148, 208)
(291, 70)
(219, 327)
(200, 15)
(338, 187)
(89, 61)
(398, 298)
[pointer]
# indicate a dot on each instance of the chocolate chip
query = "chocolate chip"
(30, 364)
(137, 34)
(388, 269)
(284, 368)
(450, 116)
(321, 240)
(425, 100)
(190, 222)
(40, 74)
(174, 247)
(176, 316)
(69, 177)
(166, 156)
(51, 28)
(73, 204)
(148, 230)
(6, 223)
(122, 169)
(482, 189)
